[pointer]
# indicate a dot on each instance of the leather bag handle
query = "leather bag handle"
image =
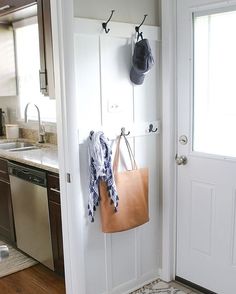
(117, 155)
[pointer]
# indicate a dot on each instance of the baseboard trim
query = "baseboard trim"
(142, 285)
(194, 286)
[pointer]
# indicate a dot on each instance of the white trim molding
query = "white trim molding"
(62, 31)
(168, 26)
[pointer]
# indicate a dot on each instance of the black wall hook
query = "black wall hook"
(104, 24)
(138, 27)
(123, 132)
(151, 130)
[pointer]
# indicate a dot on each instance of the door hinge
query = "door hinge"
(68, 178)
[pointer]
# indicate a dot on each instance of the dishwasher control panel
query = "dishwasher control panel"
(32, 175)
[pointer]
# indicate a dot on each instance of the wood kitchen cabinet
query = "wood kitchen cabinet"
(15, 10)
(7, 231)
(55, 222)
(46, 73)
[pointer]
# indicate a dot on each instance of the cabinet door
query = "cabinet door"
(6, 214)
(55, 222)
(7, 62)
(46, 72)
(56, 233)
(4, 170)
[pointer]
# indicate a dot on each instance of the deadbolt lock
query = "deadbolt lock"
(183, 140)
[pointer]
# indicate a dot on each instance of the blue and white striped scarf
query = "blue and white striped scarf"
(100, 165)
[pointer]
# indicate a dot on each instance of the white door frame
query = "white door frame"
(169, 113)
(62, 28)
(62, 31)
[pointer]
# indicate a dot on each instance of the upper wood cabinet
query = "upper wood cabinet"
(14, 10)
(9, 6)
(7, 61)
(46, 50)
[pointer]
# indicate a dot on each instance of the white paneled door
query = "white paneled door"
(206, 173)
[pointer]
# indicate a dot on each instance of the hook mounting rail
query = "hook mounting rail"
(104, 24)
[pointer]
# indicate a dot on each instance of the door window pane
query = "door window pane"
(214, 123)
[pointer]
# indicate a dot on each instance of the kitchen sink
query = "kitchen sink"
(17, 146)
(23, 148)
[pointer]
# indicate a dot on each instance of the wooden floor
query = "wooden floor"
(34, 280)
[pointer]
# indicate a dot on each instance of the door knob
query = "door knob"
(181, 160)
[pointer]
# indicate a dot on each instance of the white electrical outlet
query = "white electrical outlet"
(114, 106)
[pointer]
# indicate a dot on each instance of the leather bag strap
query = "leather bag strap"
(117, 155)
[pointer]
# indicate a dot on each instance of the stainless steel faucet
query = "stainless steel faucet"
(41, 129)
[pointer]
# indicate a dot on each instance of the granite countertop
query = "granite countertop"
(45, 157)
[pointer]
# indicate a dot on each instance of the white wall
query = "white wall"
(118, 262)
(131, 11)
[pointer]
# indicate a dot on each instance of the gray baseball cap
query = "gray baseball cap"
(142, 61)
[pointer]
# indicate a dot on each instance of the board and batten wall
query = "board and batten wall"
(117, 263)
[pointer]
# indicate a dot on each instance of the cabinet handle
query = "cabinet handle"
(43, 82)
(3, 181)
(5, 7)
(54, 190)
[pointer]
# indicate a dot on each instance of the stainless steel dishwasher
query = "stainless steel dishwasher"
(31, 214)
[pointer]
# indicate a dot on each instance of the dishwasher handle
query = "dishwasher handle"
(26, 172)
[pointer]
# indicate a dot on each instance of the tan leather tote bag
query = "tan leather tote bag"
(132, 188)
